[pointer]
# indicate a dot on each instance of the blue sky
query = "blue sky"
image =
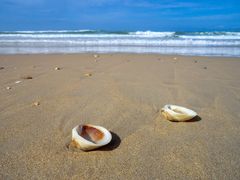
(130, 15)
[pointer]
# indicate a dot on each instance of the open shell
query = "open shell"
(177, 113)
(88, 137)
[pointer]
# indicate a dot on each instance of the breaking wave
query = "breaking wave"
(77, 41)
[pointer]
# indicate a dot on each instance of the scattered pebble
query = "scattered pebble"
(17, 82)
(175, 58)
(195, 61)
(8, 87)
(57, 68)
(88, 74)
(36, 103)
(1, 68)
(95, 55)
(205, 67)
(27, 77)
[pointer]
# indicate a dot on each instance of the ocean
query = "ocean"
(91, 41)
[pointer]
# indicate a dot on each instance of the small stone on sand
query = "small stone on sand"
(195, 61)
(175, 58)
(95, 55)
(27, 77)
(36, 103)
(88, 74)
(205, 67)
(8, 88)
(57, 68)
(1, 68)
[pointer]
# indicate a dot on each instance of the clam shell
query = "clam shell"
(177, 113)
(88, 137)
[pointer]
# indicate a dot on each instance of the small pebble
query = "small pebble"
(57, 68)
(17, 82)
(175, 58)
(1, 68)
(195, 61)
(27, 77)
(36, 103)
(95, 55)
(88, 74)
(8, 87)
(205, 67)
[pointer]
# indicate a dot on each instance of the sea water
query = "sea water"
(91, 41)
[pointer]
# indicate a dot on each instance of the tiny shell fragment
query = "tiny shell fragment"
(36, 103)
(17, 82)
(88, 74)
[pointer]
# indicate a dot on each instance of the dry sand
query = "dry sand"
(124, 94)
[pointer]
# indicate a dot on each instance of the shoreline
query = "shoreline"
(124, 94)
(121, 53)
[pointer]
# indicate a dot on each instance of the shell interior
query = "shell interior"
(90, 133)
(176, 110)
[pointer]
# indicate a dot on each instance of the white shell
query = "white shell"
(36, 103)
(88, 137)
(17, 82)
(177, 113)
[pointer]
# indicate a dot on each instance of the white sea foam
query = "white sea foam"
(64, 41)
(223, 37)
(120, 42)
(152, 33)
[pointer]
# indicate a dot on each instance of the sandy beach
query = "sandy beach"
(124, 93)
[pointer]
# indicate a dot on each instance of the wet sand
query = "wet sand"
(123, 93)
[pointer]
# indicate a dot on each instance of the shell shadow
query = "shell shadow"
(195, 119)
(115, 142)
